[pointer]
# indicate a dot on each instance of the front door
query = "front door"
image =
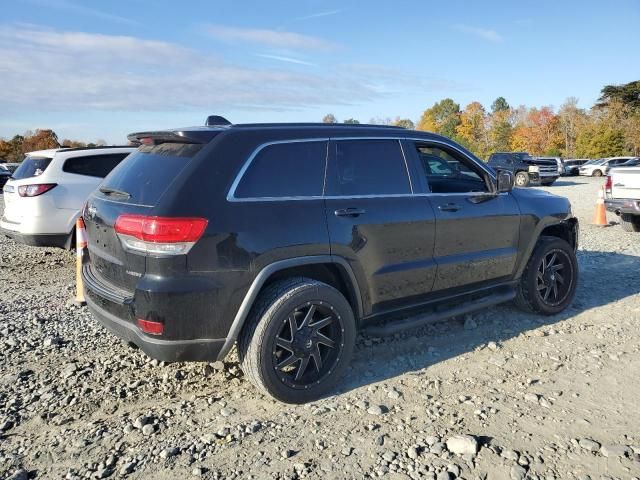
(476, 239)
(376, 223)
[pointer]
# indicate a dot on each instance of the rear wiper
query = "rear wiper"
(113, 191)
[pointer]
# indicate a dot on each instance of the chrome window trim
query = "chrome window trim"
(232, 190)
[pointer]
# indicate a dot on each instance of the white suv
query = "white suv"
(43, 198)
(601, 166)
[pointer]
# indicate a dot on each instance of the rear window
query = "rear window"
(147, 173)
(93, 165)
(293, 169)
(31, 167)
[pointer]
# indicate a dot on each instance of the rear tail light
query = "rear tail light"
(35, 189)
(608, 184)
(151, 327)
(161, 236)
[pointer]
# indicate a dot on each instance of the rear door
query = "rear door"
(476, 237)
(376, 223)
(134, 187)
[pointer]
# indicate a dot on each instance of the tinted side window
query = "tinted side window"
(294, 169)
(448, 172)
(93, 165)
(367, 167)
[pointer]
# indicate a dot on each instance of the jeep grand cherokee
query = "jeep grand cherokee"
(287, 239)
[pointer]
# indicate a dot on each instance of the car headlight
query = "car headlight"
(534, 169)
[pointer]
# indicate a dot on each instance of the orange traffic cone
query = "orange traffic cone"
(81, 244)
(600, 216)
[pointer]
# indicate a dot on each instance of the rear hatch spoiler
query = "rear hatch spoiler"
(198, 135)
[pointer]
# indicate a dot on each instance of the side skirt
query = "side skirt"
(445, 309)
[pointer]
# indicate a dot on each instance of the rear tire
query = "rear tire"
(549, 280)
(284, 349)
(596, 173)
(630, 223)
(522, 179)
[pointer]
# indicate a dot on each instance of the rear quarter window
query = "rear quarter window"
(93, 165)
(292, 169)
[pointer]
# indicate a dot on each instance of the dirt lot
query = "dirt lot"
(544, 398)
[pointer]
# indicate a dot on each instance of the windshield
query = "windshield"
(31, 167)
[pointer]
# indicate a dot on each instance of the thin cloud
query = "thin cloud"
(77, 8)
(268, 38)
(282, 58)
(97, 72)
(319, 15)
(483, 33)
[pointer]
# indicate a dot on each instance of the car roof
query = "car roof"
(52, 151)
(200, 134)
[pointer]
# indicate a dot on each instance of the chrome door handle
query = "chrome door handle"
(349, 212)
(449, 207)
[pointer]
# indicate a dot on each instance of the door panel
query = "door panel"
(476, 239)
(389, 245)
(475, 242)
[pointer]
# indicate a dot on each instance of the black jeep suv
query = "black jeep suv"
(525, 168)
(287, 239)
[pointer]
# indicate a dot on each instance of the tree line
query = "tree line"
(13, 150)
(610, 128)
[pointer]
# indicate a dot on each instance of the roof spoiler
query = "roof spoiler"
(171, 136)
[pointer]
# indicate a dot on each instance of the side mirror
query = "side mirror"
(505, 181)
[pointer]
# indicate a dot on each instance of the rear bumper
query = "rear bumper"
(38, 240)
(163, 350)
(622, 205)
(117, 313)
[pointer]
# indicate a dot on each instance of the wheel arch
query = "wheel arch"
(567, 230)
(329, 269)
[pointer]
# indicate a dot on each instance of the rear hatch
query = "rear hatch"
(27, 173)
(134, 187)
(625, 182)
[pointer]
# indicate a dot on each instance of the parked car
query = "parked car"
(5, 174)
(623, 196)
(600, 167)
(288, 238)
(525, 168)
(12, 167)
(44, 197)
(634, 162)
(572, 166)
(558, 161)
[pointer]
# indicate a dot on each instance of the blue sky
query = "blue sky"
(93, 70)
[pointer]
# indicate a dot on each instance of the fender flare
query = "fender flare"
(262, 277)
(571, 223)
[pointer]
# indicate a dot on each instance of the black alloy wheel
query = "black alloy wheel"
(308, 345)
(552, 285)
(298, 340)
(549, 280)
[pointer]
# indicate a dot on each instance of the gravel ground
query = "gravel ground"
(496, 395)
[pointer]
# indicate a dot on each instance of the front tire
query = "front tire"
(522, 179)
(630, 223)
(549, 281)
(298, 340)
(597, 173)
